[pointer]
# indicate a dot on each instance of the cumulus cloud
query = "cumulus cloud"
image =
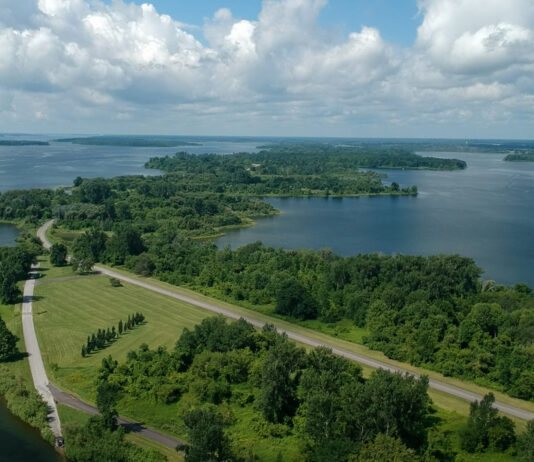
(71, 65)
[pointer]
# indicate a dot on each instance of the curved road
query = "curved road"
(362, 359)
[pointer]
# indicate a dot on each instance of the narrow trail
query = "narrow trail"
(360, 358)
(40, 379)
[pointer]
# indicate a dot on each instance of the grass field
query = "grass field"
(68, 311)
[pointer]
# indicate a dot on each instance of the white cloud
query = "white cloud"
(124, 66)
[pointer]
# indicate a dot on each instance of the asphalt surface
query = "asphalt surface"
(362, 359)
(75, 403)
(40, 380)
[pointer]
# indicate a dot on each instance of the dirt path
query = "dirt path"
(435, 384)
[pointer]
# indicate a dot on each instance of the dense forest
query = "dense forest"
(129, 141)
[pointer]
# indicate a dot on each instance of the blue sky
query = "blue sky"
(398, 19)
(357, 68)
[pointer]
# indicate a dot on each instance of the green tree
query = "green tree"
(8, 343)
(386, 449)
(486, 429)
(58, 254)
(292, 299)
(525, 443)
(126, 241)
(278, 389)
(9, 291)
(107, 396)
(207, 439)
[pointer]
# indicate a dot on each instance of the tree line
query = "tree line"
(104, 338)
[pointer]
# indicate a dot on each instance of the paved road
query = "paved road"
(362, 359)
(75, 403)
(37, 368)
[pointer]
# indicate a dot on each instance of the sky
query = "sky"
(352, 68)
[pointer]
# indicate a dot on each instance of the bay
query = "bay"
(21, 443)
(485, 212)
(8, 234)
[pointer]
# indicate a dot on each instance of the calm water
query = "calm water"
(21, 443)
(23, 167)
(485, 212)
(8, 233)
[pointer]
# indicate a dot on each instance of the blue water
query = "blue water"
(485, 212)
(8, 233)
(23, 167)
(21, 443)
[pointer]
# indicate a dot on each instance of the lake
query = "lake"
(24, 167)
(485, 212)
(8, 233)
(21, 443)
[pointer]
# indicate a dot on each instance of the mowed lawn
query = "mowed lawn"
(66, 312)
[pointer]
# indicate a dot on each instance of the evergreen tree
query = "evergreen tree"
(84, 351)
(120, 327)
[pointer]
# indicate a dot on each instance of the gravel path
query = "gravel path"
(435, 384)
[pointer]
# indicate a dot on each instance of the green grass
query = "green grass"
(11, 314)
(48, 271)
(67, 312)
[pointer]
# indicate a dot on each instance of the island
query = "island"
(520, 157)
(23, 143)
(129, 141)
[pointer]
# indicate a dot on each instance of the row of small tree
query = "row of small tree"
(105, 337)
